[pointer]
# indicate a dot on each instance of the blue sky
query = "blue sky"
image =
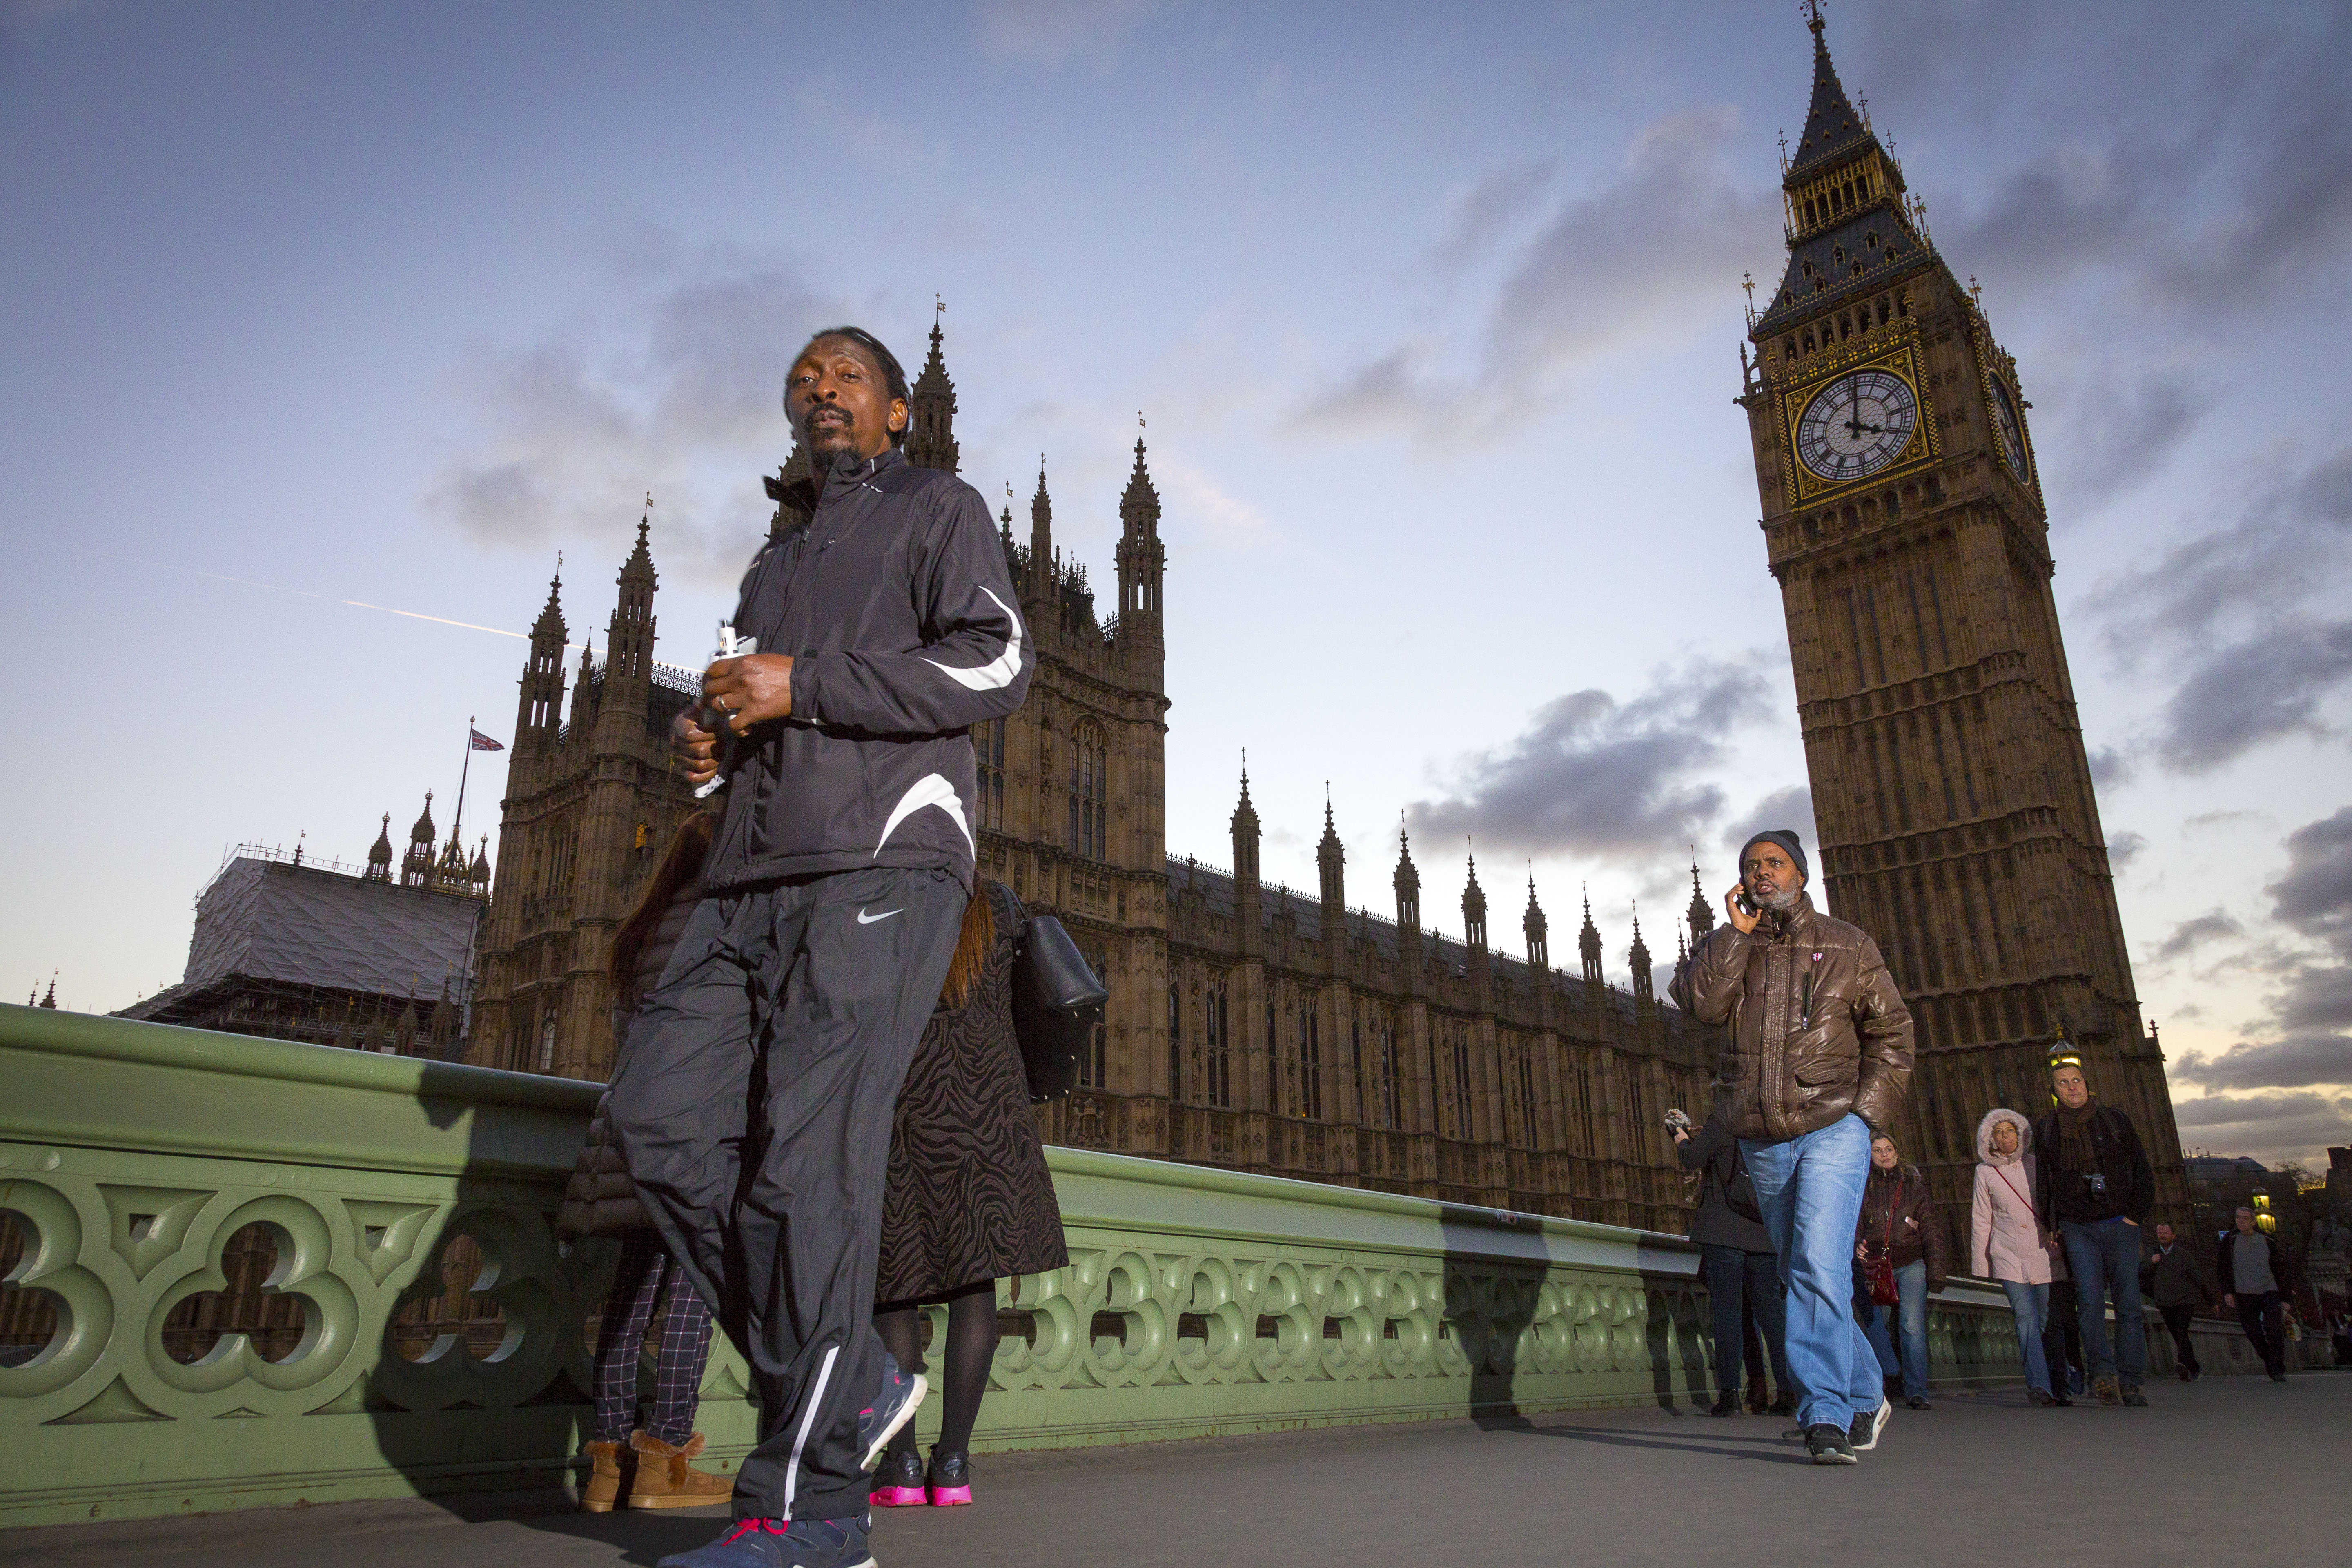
(1434, 312)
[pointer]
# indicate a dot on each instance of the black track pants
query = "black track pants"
(753, 1100)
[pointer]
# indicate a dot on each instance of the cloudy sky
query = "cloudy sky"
(1434, 312)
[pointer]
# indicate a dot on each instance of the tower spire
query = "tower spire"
(1041, 536)
(931, 407)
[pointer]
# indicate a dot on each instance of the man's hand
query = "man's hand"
(1681, 1135)
(695, 746)
(1862, 1252)
(738, 693)
(2229, 1300)
(1741, 920)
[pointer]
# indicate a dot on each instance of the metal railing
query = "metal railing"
(416, 1327)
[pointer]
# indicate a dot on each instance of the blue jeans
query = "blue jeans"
(1911, 1310)
(2030, 1305)
(1731, 1277)
(1811, 1190)
(1873, 1323)
(2103, 1256)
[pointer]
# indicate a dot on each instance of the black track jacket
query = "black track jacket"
(904, 630)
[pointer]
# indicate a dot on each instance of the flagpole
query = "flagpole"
(457, 822)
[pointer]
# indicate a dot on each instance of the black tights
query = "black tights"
(970, 1348)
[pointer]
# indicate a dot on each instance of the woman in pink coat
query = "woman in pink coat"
(2006, 1236)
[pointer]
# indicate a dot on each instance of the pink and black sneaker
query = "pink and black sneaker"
(950, 1483)
(899, 1481)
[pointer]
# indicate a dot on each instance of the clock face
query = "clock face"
(2012, 428)
(1857, 425)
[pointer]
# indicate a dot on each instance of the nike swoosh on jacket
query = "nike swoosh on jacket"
(896, 605)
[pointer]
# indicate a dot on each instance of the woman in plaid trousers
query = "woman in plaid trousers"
(649, 1466)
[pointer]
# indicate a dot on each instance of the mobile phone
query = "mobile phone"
(1746, 904)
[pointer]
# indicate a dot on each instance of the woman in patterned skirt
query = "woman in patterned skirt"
(969, 1200)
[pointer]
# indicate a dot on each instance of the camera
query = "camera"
(1678, 1120)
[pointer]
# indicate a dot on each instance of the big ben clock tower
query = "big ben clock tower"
(1904, 519)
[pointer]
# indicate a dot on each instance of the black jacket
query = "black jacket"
(2176, 1279)
(894, 601)
(1715, 1154)
(2124, 1185)
(2225, 1264)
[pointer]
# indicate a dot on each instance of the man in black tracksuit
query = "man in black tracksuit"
(754, 1097)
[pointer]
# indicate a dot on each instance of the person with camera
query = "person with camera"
(969, 1200)
(2176, 1281)
(1900, 1244)
(2093, 1182)
(1820, 1056)
(754, 1095)
(1736, 1260)
(2254, 1270)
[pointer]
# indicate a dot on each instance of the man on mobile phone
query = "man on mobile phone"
(1819, 1060)
(754, 1097)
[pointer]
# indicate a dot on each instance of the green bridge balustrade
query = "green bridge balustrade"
(421, 1330)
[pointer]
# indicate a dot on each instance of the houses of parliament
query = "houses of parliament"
(1300, 1034)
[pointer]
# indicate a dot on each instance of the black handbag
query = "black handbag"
(1057, 1001)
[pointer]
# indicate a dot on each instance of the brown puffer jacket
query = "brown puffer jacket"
(600, 1199)
(1818, 1029)
(1896, 1207)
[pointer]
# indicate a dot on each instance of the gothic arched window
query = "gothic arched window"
(988, 753)
(1175, 1044)
(1089, 810)
(1213, 1023)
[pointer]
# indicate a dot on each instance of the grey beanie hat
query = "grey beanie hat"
(1786, 837)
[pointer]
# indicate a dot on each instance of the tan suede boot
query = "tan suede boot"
(665, 1478)
(604, 1487)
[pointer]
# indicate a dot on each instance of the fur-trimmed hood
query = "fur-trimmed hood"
(1994, 1118)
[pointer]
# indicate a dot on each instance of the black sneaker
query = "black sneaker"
(2133, 1397)
(951, 1479)
(897, 1480)
(1825, 1442)
(1921, 1402)
(1726, 1404)
(894, 1405)
(1867, 1427)
(774, 1543)
(1785, 1403)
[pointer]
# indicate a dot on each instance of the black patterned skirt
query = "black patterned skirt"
(968, 1198)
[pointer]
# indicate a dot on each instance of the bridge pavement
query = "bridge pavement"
(2234, 1470)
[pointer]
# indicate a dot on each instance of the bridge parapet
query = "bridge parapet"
(425, 1332)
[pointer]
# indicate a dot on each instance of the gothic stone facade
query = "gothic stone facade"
(1904, 519)
(1247, 1027)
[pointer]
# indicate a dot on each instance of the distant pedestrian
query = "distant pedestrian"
(2007, 1243)
(2093, 1178)
(2177, 1281)
(2253, 1270)
(1736, 1259)
(968, 1200)
(1900, 1232)
(1820, 1058)
(649, 1466)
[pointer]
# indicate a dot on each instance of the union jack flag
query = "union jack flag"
(482, 742)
